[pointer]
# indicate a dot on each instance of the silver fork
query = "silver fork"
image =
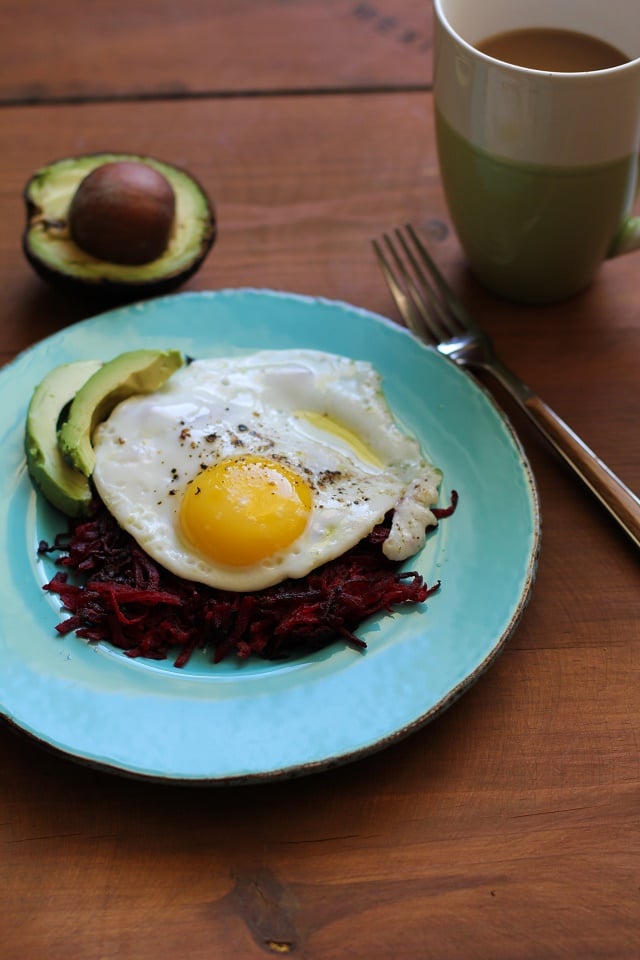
(434, 314)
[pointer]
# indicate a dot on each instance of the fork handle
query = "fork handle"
(619, 500)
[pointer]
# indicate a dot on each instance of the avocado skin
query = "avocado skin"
(49, 249)
(102, 291)
(64, 487)
(130, 373)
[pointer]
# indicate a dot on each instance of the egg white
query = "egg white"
(321, 414)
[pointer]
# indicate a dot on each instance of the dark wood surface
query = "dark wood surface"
(507, 828)
(210, 47)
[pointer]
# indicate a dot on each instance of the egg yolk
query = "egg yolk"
(242, 510)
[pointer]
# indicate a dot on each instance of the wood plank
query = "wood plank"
(152, 48)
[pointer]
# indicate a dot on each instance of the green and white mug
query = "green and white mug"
(539, 168)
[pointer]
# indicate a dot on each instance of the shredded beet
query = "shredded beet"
(441, 512)
(126, 599)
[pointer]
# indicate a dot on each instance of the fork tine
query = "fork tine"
(432, 308)
(454, 306)
(405, 304)
(426, 303)
(409, 298)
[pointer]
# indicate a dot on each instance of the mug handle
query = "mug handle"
(627, 238)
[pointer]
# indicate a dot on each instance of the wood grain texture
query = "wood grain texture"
(152, 48)
(509, 827)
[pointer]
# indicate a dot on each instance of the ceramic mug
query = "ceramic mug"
(539, 168)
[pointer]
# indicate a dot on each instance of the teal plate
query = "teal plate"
(254, 721)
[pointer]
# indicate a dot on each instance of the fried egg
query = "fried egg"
(243, 471)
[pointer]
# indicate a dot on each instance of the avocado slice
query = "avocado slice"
(50, 249)
(63, 486)
(137, 371)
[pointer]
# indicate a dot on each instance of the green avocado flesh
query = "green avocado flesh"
(63, 486)
(138, 371)
(48, 245)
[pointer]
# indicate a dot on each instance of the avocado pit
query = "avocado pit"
(123, 212)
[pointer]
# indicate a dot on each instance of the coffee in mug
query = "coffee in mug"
(538, 127)
(560, 51)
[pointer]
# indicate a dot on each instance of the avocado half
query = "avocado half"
(49, 248)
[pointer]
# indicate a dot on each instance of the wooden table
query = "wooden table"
(508, 827)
